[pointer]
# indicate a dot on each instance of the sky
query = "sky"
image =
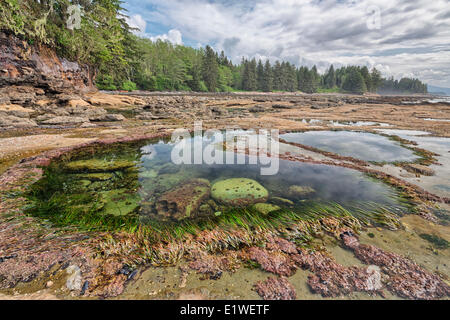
(401, 38)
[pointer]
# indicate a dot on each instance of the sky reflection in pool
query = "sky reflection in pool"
(360, 145)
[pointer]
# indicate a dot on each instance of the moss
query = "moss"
(239, 192)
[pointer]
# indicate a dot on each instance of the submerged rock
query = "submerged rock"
(183, 201)
(239, 192)
(98, 166)
(266, 208)
(120, 202)
(298, 192)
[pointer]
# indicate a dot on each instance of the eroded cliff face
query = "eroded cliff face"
(38, 67)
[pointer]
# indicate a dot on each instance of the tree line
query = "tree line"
(125, 61)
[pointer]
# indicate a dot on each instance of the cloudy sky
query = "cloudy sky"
(399, 37)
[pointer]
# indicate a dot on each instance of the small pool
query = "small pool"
(361, 145)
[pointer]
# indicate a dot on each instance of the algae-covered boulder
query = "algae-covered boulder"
(98, 166)
(239, 192)
(266, 208)
(299, 192)
(120, 202)
(183, 201)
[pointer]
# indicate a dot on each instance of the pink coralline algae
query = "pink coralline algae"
(331, 279)
(406, 278)
(275, 289)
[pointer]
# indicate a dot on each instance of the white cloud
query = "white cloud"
(414, 37)
(174, 36)
(137, 22)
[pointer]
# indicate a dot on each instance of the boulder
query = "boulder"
(239, 192)
(183, 201)
(299, 192)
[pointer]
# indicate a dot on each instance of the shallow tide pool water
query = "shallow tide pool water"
(140, 181)
(360, 145)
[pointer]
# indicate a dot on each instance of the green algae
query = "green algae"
(239, 192)
(120, 202)
(98, 166)
(266, 208)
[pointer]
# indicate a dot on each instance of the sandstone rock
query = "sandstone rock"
(113, 117)
(101, 99)
(78, 103)
(15, 122)
(64, 120)
(239, 192)
(15, 110)
(30, 65)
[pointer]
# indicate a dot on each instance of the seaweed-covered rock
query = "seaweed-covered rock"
(266, 208)
(183, 201)
(239, 192)
(298, 192)
(119, 202)
(406, 278)
(275, 289)
(98, 166)
(419, 169)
